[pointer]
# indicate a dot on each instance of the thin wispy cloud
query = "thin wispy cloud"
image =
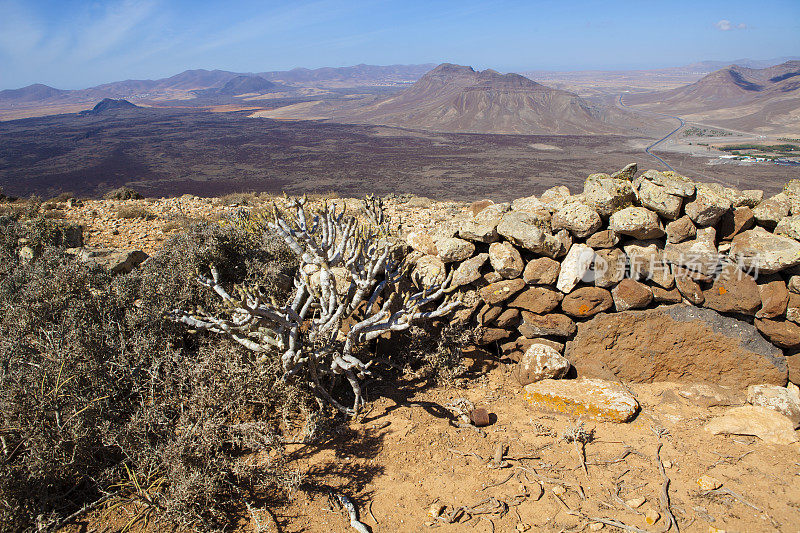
(727, 25)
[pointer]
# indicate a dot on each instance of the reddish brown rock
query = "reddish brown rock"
(488, 313)
(733, 291)
(508, 319)
(793, 308)
(681, 230)
(514, 349)
(541, 271)
(587, 301)
(734, 222)
(675, 343)
(602, 239)
(554, 324)
(689, 289)
(793, 362)
(501, 291)
(490, 335)
(664, 296)
(630, 294)
(774, 299)
(478, 206)
(539, 300)
(779, 332)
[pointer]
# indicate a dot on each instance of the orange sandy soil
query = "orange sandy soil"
(405, 455)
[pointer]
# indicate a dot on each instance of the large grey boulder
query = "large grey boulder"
(607, 195)
(663, 193)
(638, 222)
(789, 227)
(675, 343)
(527, 231)
(708, 206)
(577, 218)
(698, 255)
(758, 249)
(772, 210)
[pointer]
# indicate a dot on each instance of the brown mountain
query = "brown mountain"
(757, 100)
(458, 99)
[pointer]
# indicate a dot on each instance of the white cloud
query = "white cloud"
(727, 25)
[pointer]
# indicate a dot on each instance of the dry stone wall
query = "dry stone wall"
(641, 276)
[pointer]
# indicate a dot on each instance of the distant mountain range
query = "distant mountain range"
(458, 99)
(754, 100)
(180, 85)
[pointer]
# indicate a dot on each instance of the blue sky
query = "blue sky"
(73, 44)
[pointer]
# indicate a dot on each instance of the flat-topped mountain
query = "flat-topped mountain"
(736, 97)
(244, 84)
(459, 99)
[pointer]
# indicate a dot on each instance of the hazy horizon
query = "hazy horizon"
(71, 45)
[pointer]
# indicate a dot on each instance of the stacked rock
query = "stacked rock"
(533, 270)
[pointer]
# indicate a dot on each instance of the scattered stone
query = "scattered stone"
(479, 417)
(552, 324)
(607, 195)
(651, 516)
(638, 222)
(734, 222)
(680, 230)
(771, 211)
(774, 299)
(766, 424)
(784, 400)
(609, 267)
(452, 249)
(506, 260)
(635, 502)
(602, 239)
(541, 271)
(675, 343)
(501, 290)
(708, 483)
(26, 254)
(707, 207)
(587, 301)
(555, 197)
(579, 219)
(524, 230)
(583, 398)
(710, 395)
(540, 362)
(539, 300)
(574, 267)
(630, 294)
(733, 291)
(779, 332)
(468, 271)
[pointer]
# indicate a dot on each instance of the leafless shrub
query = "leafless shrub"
(123, 193)
(134, 211)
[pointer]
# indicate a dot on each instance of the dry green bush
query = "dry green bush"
(134, 211)
(123, 193)
(239, 198)
(97, 386)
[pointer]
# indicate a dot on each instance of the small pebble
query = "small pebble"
(558, 490)
(709, 483)
(667, 464)
(435, 510)
(595, 526)
(636, 502)
(651, 516)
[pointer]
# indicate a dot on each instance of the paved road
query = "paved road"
(664, 138)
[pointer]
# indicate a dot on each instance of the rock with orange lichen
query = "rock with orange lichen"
(583, 398)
